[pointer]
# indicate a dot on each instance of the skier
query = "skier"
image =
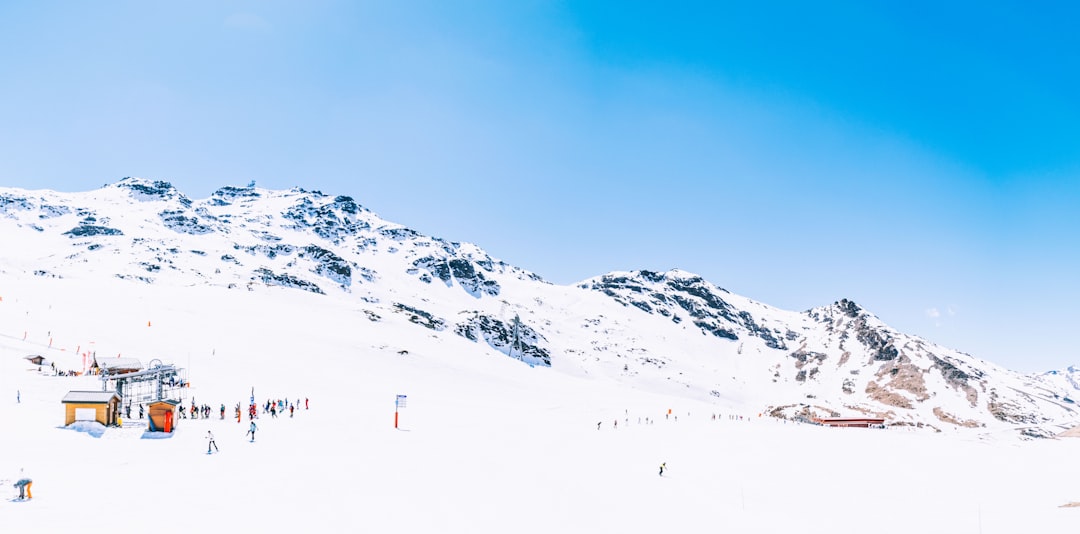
(140, 410)
(223, 410)
(210, 437)
(18, 396)
(23, 484)
(662, 466)
(251, 430)
(305, 403)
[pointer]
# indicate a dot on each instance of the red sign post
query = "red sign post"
(398, 404)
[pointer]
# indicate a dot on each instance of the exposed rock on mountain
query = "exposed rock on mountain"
(672, 332)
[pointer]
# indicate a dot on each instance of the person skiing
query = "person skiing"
(251, 430)
(210, 437)
(23, 484)
(662, 466)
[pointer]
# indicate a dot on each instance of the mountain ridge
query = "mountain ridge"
(673, 332)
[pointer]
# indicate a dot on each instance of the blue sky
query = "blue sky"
(922, 160)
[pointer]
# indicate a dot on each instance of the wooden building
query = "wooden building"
(856, 422)
(36, 359)
(100, 406)
(161, 417)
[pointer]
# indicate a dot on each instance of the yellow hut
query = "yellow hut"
(100, 406)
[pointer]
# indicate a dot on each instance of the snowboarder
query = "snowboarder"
(210, 437)
(251, 430)
(23, 484)
(662, 466)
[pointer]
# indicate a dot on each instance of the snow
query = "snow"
(486, 443)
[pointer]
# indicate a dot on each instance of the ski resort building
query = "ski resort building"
(161, 417)
(100, 406)
(857, 422)
(119, 366)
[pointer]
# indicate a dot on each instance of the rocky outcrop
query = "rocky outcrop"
(515, 339)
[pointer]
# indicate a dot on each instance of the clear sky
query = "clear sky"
(918, 158)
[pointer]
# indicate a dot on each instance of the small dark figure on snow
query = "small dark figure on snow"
(662, 466)
(210, 437)
(251, 430)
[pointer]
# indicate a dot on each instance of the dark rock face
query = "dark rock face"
(849, 308)
(500, 336)
(952, 374)
(420, 317)
(177, 221)
(333, 221)
(228, 194)
(270, 251)
(268, 277)
(156, 190)
(667, 294)
(329, 265)
(89, 230)
(11, 204)
(765, 334)
(471, 280)
(438, 267)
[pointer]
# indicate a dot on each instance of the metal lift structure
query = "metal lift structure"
(157, 382)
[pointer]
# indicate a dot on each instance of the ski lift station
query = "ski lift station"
(135, 385)
(124, 382)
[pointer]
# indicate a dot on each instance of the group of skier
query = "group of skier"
(196, 411)
(272, 407)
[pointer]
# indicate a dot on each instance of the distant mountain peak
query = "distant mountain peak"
(668, 330)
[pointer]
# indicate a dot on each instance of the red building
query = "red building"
(858, 422)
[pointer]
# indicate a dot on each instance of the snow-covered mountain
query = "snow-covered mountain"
(669, 332)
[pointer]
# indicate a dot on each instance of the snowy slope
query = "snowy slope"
(486, 444)
(667, 333)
